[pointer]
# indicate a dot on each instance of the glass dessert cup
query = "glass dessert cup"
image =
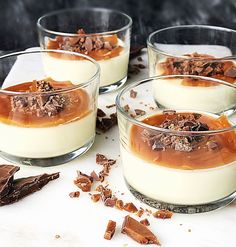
(179, 158)
(102, 34)
(46, 118)
(193, 50)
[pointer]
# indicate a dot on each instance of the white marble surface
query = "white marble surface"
(35, 220)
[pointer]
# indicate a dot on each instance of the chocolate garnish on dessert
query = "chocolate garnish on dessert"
(40, 104)
(160, 141)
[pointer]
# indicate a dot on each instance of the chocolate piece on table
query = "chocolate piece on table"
(6, 178)
(74, 194)
(110, 230)
(138, 232)
(130, 207)
(145, 222)
(163, 214)
(22, 187)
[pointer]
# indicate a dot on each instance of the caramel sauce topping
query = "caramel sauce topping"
(75, 105)
(209, 151)
(96, 47)
(201, 65)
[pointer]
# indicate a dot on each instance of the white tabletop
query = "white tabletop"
(35, 220)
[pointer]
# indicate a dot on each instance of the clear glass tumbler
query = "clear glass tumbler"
(48, 110)
(102, 34)
(195, 50)
(177, 156)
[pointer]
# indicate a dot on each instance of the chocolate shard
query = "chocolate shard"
(138, 232)
(6, 178)
(25, 186)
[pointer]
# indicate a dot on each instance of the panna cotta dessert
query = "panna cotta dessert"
(175, 158)
(181, 169)
(102, 34)
(196, 93)
(47, 121)
(109, 52)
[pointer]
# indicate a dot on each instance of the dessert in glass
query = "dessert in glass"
(102, 34)
(193, 50)
(179, 159)
(45, 119)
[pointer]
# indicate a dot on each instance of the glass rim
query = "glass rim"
(167, 131)
(39, 51)
(150, 36)
(94, 9)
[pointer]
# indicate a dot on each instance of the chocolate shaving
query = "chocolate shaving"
(40, 104)
(160, 141)
(104, 124)
(195, 64)
(22, 187)
(84, 43)
(163, 214)
(110, 230)
(138, 232)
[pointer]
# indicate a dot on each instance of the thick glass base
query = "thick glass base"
(183, 209)
(47, 162)
(112, 87)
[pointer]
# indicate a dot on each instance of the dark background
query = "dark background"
(18, 17)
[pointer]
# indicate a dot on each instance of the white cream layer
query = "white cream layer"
(186, 187)
(47, 141)
(79, 71)
(171, 94)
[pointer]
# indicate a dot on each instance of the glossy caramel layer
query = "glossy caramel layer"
(101, 54)
(77, 106)
(199, 158)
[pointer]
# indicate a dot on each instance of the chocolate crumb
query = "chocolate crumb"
(110, 202)
(126, 108)
(163, 214)
(110, 106)
(83, 181)
(96, 197)
(119, 204)
(100, 113)
(130, 207)
(139, 112)
(140, 59)
(145, 222)
(57, 236)
(110, 230)
(140, 212)
(74, 194)
(133, 94)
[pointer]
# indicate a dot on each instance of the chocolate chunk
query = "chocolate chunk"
(110, 230)
(100, 113)
(163, 214)
(105, 124)
(110, 202)
(119, 204)
(126, 108)
(6, 178)
(231, 72)
(22, 187)
(140, 212)
(84, 182)
(138, 232)
(130, 207)
(133, 94)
